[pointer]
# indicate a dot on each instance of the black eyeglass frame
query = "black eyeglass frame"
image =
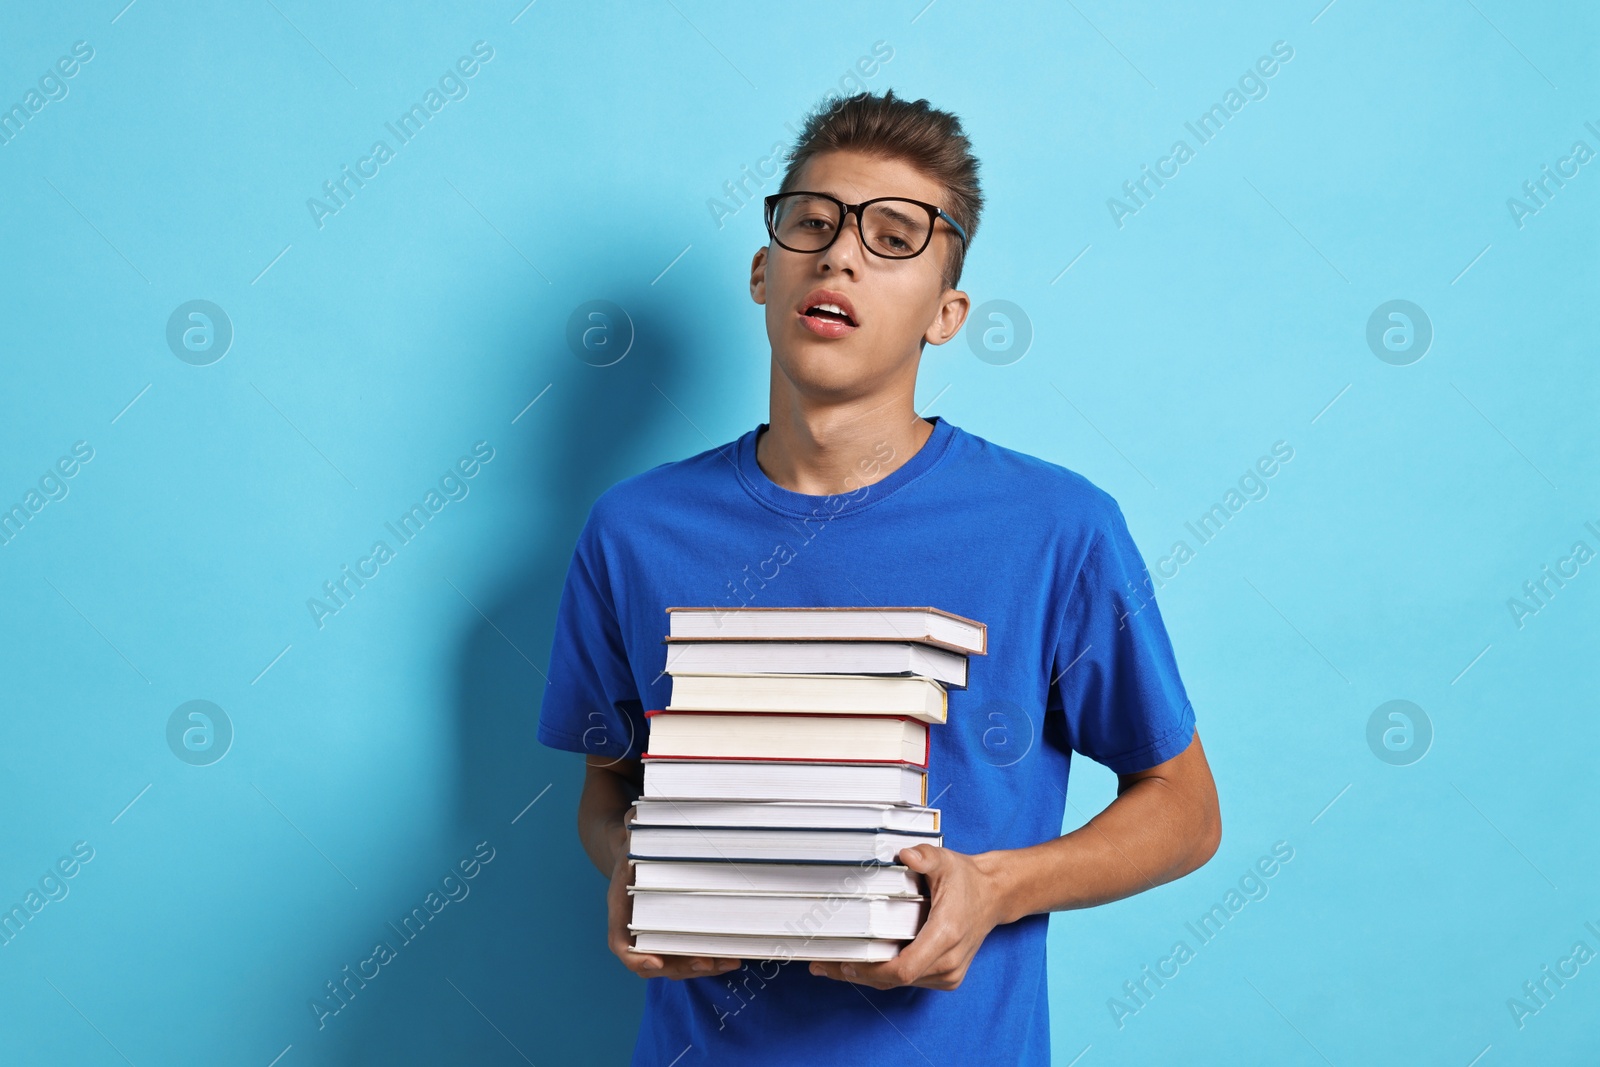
(935, 213)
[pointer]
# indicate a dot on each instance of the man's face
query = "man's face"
(895, 303)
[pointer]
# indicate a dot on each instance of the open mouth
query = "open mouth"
(829, 313)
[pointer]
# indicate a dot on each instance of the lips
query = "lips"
(828, 313)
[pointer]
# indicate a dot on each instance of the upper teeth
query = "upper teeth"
(835, 308)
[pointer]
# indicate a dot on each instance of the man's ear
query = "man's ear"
(758, 276)
(952, 315)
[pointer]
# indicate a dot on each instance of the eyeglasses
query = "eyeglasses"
(893, 227)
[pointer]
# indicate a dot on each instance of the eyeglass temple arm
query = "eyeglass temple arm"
(943, 214)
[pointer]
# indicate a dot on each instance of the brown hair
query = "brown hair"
(890, 127)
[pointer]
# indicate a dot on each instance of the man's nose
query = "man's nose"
(849, 246)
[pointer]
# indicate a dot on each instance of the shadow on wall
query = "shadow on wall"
(519, 970)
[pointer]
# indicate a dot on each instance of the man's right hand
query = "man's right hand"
(619, 909)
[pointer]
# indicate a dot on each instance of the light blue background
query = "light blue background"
(373, 754)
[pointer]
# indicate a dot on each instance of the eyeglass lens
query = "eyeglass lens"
(893, 228)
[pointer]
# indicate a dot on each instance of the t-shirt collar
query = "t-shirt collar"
(804, 505)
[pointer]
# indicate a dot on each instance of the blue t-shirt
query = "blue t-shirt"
(1078, 661)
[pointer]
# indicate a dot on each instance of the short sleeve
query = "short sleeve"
(1114, 677)
(591, 702)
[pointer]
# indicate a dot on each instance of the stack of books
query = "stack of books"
(786, 774)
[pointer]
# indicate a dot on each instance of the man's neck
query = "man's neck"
(838, 448)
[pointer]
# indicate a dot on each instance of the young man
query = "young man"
(848, 497)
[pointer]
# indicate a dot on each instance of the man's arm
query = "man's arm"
(1163, 824)
(610, 786)
(605, 808)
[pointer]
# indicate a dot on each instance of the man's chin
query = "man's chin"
(825, 369)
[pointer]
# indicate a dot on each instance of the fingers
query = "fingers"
(704, 966)
(920, 961)
(678, 967)
(882, 976)
(879, 975)
(620, 939)
(663, 965)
